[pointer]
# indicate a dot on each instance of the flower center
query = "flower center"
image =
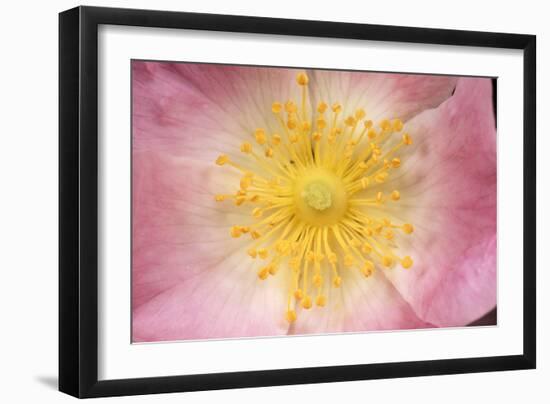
(317, 195)
(319, 191)
(320, 197)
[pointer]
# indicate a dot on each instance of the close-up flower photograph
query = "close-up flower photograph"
(275, 202)
(272, 201)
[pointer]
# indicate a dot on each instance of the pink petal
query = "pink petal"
(360, 304)
(204, 110)
(448, 190)
(191, 280)
(381, 95)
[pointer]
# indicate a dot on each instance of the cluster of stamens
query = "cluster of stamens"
(315, 191)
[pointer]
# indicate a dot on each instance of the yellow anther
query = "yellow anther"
(407, 139)
(263, 253)
(337, 281)
(276, 140)
(291, 123)
(240, 200)
(372, 133)
(395, 195)
(332, 258)
(276, 107)
(396, 162)
(368, 232)
(245, 182)
(368, 124)
(290, 316)
(260, 136)
(236, 231)
(348, 260)
(272, 268)
(317, 280)
(350, 121)
(269, 152)
(316, 136)
(381, 177)
(397, 125)
(360, 113)
(290, 107)
(245, 229)
(255, 235)
(385, 125)
(336, 107)
(298, 294)
(321, 123)
(366, 248)
(387, 261)
(254, 198)
(263, 273)
(368, 268)
(321, 301)
(408, 228)
(302, 79)
(306, 126)
(306, 302)
(363, 165)
(293, 138)
(220, 198)
(257, 213)
(379, 197)
(322, 107)
(388, 235)
(246, 147)
(252, 252)
(222, 159)
(407, 262)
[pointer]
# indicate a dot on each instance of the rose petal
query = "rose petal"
(204, 110)
(381, 95)
(359, 304)
(448, 192)
(190, 278)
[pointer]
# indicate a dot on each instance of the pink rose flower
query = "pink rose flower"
(273, 201)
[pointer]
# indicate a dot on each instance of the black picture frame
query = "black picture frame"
(78, 201)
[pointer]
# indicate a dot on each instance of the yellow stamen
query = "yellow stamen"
(321, 301)
(276, 107)
(260, 136)
(246, 147)
(302, 79)
(222, 159)
(291, 316)
(306, 302)
(407, 262)
(408, 228)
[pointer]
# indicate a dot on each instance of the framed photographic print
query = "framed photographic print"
(251, 201)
